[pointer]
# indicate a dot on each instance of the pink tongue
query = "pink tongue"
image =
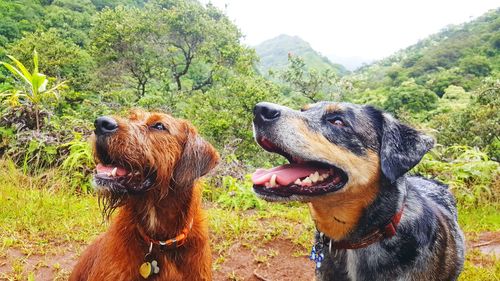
(107, 169)
(285, 174)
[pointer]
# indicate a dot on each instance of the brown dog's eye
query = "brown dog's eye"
(337, 122)
(159, 126)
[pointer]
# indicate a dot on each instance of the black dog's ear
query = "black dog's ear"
(401, 147)
(197, 159)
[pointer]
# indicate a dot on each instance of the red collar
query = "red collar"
(172, 243)
(374, 236)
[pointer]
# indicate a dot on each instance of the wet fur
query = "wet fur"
(375, 151)
(175, 159)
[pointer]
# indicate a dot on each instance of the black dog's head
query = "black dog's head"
(332, 148)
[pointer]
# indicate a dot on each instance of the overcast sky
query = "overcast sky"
(370, 29)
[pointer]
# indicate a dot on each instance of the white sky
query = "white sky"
(370, 29)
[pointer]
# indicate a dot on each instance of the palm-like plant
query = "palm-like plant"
(34, 86)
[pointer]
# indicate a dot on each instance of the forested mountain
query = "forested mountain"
(460, 55)
(448, 82)
(274, 52)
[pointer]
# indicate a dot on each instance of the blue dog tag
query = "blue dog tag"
(316, 255)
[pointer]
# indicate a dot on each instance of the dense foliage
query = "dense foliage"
(97, 57)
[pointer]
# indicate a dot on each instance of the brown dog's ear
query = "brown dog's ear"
(401, 148)
(197, 159)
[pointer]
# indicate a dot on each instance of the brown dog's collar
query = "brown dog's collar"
(172, 243)
(376, 235)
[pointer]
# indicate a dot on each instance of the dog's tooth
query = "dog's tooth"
(316, 176)
(273, 180)
(113, 172)
(109, 174)
(312, 178)
(306, 181)
(298, 182)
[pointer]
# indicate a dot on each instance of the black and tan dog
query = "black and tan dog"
(349, 163)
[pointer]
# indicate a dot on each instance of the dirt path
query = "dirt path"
(487, 242)
(277, 260)
(274, 261)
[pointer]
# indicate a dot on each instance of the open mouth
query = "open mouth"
(115, 178)
(303, 177)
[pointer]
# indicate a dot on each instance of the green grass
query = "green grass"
(35, 217)
(39, 218)
(480, 219)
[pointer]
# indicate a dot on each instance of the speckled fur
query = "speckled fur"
(428, 245)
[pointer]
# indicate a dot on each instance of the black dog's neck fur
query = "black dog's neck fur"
(378, 214)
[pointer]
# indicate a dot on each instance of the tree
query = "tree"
(476, 124)
(410, 97)
(123, 45)
(312, 84)
(18, 17)
(179, 39)
(438, 82)
(223, 113)
(475, 65)
(72, 19)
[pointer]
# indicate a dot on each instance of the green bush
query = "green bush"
(472, 176)
(476, 124)
(78, 163)
(233, 194)
(410, 97)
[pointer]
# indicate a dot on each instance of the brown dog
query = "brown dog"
(148, 166)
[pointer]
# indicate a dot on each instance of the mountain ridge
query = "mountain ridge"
(274, 53)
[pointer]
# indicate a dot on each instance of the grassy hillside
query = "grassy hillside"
(274, 52)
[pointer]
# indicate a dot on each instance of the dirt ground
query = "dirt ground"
(275, 261)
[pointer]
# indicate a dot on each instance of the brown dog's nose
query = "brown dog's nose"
(105, 125)
(266, 112)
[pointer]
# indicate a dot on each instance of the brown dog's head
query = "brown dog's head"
(332, 148)
(147, 152)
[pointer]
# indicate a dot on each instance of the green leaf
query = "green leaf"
(39, 83)
(21, 67)
(35, 61)
(16, 72)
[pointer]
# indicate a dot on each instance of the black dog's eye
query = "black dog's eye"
(159, 126)
(337, 122)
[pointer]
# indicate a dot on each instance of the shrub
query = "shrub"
(233, 194)
(78, 163)
(472, 176)
(476, 124)
(410, 97)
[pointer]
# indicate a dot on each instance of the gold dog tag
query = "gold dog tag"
(149, 268)
(145, 270)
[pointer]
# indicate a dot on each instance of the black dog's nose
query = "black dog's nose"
(266, 112)
(105, 125)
